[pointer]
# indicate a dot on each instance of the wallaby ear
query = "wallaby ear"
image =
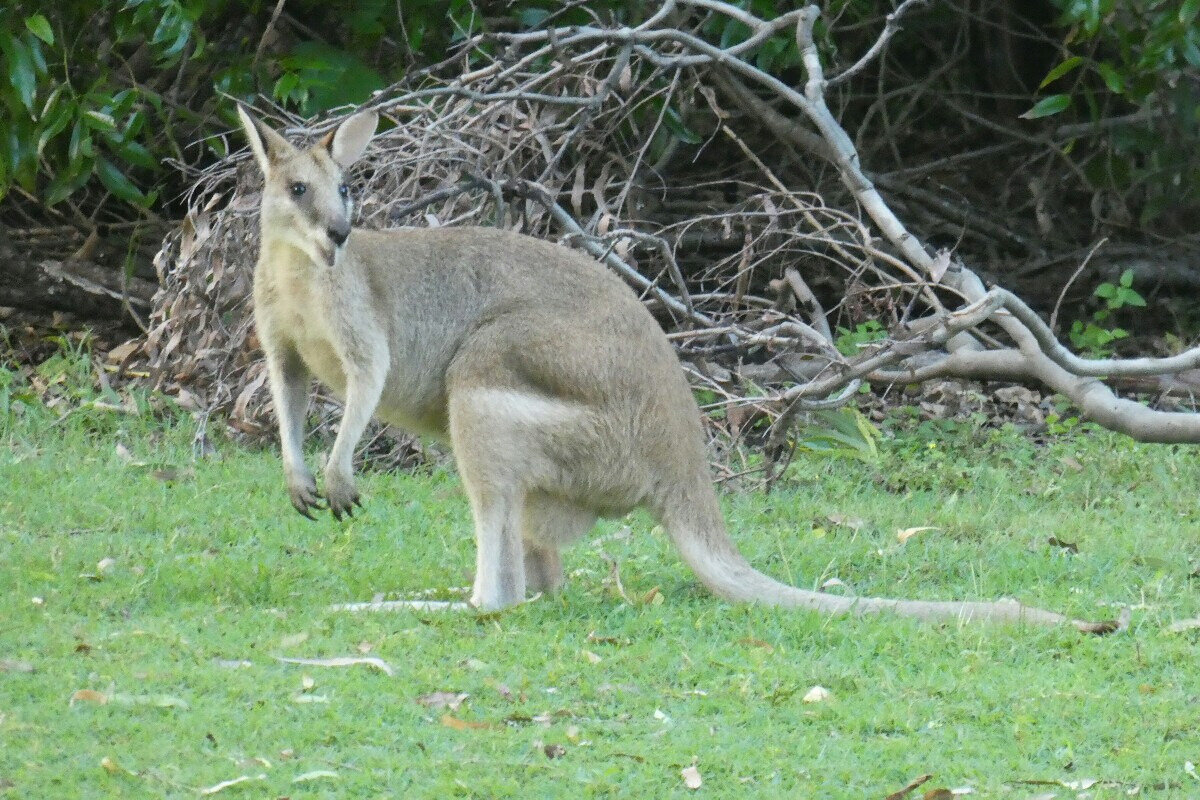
(347, 143)
(266, 144)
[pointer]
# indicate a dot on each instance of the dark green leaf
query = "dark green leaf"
(20, 70)
(116, 182)
(68, 182)
(1112, 78)
(675, 125)
(1062, 69)
(39, 26)
(1189, 11)
(1191, 53)
(136, 154)
(1048, 106)
(54, 122)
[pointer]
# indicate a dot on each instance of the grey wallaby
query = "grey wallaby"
(560, 395)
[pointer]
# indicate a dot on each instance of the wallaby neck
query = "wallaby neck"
(282, 255)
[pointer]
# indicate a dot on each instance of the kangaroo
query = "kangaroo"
(560, 395)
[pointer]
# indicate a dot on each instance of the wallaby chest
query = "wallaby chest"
(299, 311)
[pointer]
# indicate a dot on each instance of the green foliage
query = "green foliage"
(841, 433)
(1125, 57)
(1091, 336)
(99, 95)
(851, 342)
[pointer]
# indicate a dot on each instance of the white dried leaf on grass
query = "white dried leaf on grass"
(310, 699)
(342, 661)
(904, 535)
(691, 777)
(155, 700)
(223, 785)
(315, 775)
(438, 700)
(1179, 626)
(817, 694)
(293, 639)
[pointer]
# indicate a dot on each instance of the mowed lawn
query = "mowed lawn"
(147, 598)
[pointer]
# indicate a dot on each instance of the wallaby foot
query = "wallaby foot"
(302, 489)
(342, 493)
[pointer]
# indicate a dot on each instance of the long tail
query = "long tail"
(698, 530)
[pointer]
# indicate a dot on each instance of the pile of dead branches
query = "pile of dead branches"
(642, 146)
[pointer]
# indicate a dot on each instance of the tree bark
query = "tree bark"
(83, 288)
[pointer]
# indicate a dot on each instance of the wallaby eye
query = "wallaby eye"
(344, 191)
(298, 189)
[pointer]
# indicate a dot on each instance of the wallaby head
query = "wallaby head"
(306, 201)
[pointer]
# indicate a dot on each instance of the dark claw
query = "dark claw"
(337, 513)
(358, 501)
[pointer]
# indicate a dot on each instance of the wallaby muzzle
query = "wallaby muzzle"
(339, 233)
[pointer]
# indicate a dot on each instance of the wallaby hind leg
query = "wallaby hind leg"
(548, 523)
(499, 556)
(509, 441)
(488, 449)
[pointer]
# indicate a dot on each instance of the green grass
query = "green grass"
(214, 570)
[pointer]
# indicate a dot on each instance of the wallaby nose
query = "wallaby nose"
(339, 234)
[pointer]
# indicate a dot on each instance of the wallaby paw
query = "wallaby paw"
(303, 491)
(342, 495)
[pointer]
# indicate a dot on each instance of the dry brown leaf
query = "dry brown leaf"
(88, 696)
(691, 777)
(122, 351)
(902, 793)
(938, 794)
(342, 661)
(751, 641)
(554, 751)
(1070, 547)
(173, 474)
(598, 639)
(439, 700)
(463, 724)
(845, 521)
